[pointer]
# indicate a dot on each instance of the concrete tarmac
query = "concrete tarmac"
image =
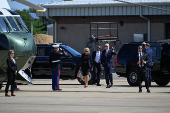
(74, 98)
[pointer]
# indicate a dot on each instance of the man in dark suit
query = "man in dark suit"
(140, 61)
(149, 51)
(107, 62)
(96, 59)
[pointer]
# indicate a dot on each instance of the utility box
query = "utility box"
(138, 37)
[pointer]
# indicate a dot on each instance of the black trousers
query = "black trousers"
(1, 84)
(108, 74)
(142, 73)
(11, 79)
(96, 72)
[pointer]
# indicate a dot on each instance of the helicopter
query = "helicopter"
(14, 35)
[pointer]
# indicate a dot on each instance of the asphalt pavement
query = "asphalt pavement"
(74, 98)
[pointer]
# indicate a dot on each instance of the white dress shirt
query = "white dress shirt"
(97, 59)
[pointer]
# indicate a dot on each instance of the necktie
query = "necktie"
(140, 59)
(106, 53)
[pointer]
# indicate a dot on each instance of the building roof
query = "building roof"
(88, 3)
(104, 8)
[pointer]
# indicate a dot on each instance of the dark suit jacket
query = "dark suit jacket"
(107, 60)
(94, 56)
(12, 67)
(149, 52)
(90, 63)
(145, 57)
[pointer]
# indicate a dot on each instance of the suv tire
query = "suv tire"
(132, 78)
(162, 83)
(81, 79)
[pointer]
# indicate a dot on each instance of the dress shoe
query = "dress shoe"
(140, 90)
(13, 94)
(111, 85)
(98, 85)
(148, 91)
(59, 89)
(6, 94)
(107, 86)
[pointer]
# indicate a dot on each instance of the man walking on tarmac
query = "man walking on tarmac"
(55, 66)
(107, 63)
(149, 51)
(96, 56)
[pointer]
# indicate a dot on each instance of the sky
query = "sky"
(15, 5)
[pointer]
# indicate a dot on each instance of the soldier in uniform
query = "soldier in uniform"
(55, 66)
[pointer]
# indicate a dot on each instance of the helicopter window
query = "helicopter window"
(13, 24)
(4, 25)
(21, 24)
(4, 45)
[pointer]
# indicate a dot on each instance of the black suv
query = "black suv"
(69, 62)
(161, 63)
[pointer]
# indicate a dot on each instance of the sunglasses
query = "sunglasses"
(99, 48)
(106, 46)
(86, 51)
(139, 48)
(12, 53)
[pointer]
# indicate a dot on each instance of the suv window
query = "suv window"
(154, 49)
(43, 51)
(61, 50)
(128, 50)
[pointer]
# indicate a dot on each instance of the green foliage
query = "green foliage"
(39, 25)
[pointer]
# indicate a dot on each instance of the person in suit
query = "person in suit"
(96, 59)
(107, 62)
(55, 66)
(1, 85)
(86, 65)
(150, 52)
(11, 73)
(140, 61)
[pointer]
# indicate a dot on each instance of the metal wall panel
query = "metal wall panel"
(124, 10)
(94, 11)
(154, 11)
(66, 12)
(137, 10)
(159, 11)
(168, 7)
(99, 11)
(82, 11)
(103, 11)
(150, 11)
(86, 11)
(62, 12)
(129, 10)
(120, 10)
(116, 10)
(74, 12)
(164, 12)
(133, 10)
(90, 11)
(78, 11)
(107, 10)
(111, 10)
(58, 12)
(70, 10)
